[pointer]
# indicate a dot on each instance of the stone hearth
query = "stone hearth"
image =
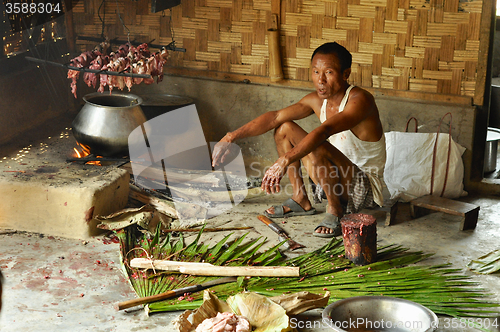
(41, 192)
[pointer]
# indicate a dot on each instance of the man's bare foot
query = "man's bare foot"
(292, 207)
(324, 230)
(329, 227)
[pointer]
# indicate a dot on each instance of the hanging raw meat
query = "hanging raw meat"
(127, 59)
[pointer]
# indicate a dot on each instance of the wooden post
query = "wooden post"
(70, 29)
(359, 233)
(273, 35)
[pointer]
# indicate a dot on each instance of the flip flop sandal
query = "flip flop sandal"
(332, 222)
(295, 210)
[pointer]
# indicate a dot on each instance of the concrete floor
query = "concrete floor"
(72, 285)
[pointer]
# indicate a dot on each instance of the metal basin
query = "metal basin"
(379, 313)
(105, 122)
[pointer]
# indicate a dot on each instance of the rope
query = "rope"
(103, 20)
(123, 23)
(408, 122)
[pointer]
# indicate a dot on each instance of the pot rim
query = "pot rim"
(367, 298)
(87, 98)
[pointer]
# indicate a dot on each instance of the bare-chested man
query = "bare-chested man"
(344, 156)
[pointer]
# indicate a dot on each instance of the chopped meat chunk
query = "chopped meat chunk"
(225, 322)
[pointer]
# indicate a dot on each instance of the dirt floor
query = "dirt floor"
(72, 285)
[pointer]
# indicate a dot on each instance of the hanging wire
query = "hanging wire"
(171, 25)
(103, 20)
(123, 23)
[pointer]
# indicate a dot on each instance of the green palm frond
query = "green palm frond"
(440, 288)
(487, 264)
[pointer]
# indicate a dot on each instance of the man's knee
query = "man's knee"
(284, 129)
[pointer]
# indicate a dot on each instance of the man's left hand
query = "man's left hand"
(273, 176)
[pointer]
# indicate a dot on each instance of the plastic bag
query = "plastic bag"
(409, 172)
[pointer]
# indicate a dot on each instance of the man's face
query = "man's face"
(327, 75)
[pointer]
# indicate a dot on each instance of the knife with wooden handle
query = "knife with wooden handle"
(173, 293)
(207, 269)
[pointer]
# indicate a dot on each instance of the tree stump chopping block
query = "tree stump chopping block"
(359, 232)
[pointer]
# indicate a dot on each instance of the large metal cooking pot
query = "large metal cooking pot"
(106, 120)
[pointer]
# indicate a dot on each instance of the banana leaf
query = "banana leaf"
(487, 264)
(441, 288)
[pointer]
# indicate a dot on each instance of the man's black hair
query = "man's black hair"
(340, 51)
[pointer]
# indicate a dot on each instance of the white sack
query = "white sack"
(408, 167)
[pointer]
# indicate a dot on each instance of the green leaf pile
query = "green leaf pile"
(440, 288)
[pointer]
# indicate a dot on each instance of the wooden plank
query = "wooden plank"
(445, 205)
(482, 67)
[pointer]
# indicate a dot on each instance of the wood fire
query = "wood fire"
(82, 151)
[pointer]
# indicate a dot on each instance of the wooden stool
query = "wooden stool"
(469, 212)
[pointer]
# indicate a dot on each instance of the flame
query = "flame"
(83, 151)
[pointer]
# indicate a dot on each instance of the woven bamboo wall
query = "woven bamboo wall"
(426, 46)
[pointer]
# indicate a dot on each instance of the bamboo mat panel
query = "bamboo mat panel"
(406, 45)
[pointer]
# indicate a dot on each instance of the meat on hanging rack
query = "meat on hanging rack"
(127, 66)
(127, 59)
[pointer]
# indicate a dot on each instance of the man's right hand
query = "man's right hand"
(221, 152)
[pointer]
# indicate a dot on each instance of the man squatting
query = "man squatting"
(344, 156)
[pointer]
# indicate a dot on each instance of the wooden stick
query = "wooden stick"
(206, 229)
(207, 269)
(171, 293)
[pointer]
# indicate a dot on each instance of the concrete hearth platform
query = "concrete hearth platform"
(43, 193)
